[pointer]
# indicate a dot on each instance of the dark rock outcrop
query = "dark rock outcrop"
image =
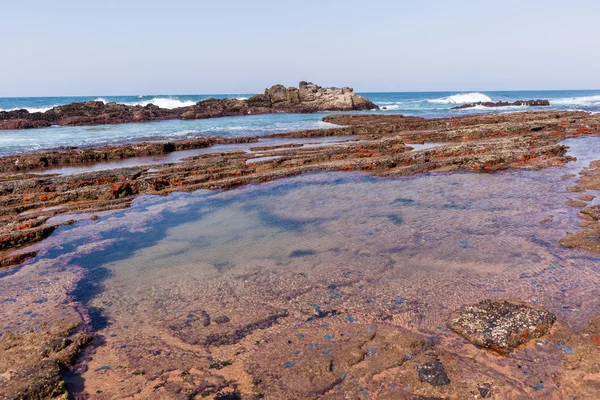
(433, 373)
(530, 103)
(501, 325)
(305, 99)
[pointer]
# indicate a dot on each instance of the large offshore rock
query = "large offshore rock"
(309, 97)
(501, 325)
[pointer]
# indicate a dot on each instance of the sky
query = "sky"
(129, 47)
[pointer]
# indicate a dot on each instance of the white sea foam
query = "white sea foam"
(101, 99)
(163, 102)
(186, 132)
(391, 107)
(30, 109)
(577, 101)
(241, 98)
(461, 98)
(503, 108)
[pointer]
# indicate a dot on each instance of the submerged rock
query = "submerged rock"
(501, 325)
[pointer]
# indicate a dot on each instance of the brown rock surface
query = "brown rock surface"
(32, 363)
(501, 325)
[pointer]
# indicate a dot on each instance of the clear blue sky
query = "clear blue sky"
(230, 46)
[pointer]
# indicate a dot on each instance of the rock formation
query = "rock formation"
(309, 97)
(305, 99)
(501, 325)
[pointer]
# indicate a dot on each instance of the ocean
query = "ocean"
(423, 104)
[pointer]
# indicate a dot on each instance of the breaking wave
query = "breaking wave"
(577, 101)
(30, 109)
(163, 102)
(461, 98)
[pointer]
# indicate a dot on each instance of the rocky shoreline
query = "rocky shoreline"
(475, 143)
(380, 146)
(307, 98)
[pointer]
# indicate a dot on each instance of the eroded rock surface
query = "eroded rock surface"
(32, 362)
(501, 325)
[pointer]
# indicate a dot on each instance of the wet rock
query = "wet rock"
(229, 396)
(501, 325)
(16, 259)
(320, 366)
(575, 203)
(431, 398)
(198, 318)
(41, 381)
(240, 333)
(221, 319)
(485, 390)
(587, 197)
(219, 364)
(433, 373)
(31, 363)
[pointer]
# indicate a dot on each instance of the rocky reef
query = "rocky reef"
(305, 99)
(518, 103)
(475, 143)
(270, 351)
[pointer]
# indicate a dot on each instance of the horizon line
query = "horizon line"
(355, 91)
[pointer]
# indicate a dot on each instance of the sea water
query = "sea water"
(423, 104)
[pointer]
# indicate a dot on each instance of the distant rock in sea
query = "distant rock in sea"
(531, 103)
(307, 98)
